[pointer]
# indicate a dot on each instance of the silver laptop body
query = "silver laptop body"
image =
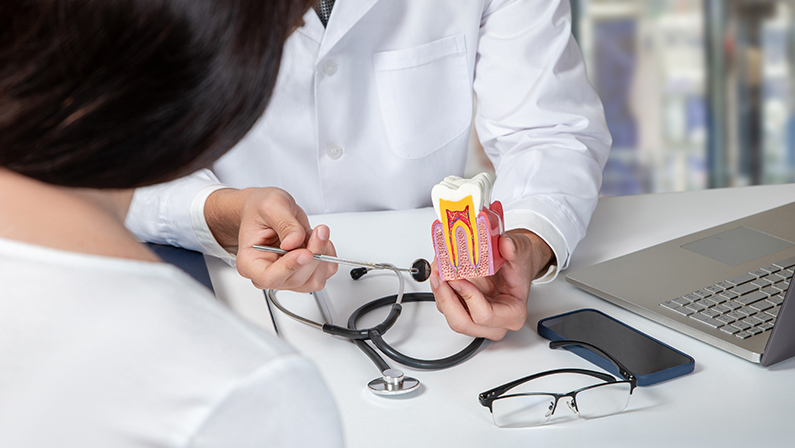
(705, 284)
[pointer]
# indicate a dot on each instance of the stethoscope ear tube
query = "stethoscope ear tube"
(353, 333)
(375, 335)
(426, 364)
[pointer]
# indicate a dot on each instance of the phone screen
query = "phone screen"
(641, 354)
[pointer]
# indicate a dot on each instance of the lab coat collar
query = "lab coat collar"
(343, 17)
(312, 27)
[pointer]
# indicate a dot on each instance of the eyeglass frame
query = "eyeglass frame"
(487, 398)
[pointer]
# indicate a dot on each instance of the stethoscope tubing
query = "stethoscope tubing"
(375, 335)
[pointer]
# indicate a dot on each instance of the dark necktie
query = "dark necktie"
(323, 9)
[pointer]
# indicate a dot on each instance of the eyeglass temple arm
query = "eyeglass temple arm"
(622, 370)
(486, 398)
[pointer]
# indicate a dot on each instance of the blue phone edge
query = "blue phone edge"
(643, 380)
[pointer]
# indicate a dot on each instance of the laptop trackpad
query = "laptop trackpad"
(737, 246)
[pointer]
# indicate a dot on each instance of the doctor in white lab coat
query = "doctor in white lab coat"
(372, 110)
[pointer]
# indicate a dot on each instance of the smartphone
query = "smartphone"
(649, 359)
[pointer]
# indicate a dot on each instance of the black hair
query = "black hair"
(127, 93)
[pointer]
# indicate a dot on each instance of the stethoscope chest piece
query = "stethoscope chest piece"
(393, 382)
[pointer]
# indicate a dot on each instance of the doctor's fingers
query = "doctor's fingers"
(320, 243)
(294, 272)
(489, 308)
(276, 210)
(281, 273)
(313, 277)
(457, 314)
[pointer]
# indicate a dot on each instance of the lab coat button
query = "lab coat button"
(334, 151)
(329, 68)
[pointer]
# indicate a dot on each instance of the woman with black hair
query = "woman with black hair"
(101, 344)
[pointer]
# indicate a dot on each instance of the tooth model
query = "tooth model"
(467, 231)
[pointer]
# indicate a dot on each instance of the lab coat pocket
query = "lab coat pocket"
(425, 95)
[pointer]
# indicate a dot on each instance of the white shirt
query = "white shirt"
(104, 352)
(371, 112)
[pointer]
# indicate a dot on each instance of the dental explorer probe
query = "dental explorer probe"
(420, 270)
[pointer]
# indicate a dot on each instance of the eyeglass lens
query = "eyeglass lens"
(601, 400)
(516, 411)
(533, 409)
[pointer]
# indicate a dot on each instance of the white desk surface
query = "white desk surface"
(726, 402)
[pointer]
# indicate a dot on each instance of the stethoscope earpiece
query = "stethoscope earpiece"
(357, 273)
(420, 270)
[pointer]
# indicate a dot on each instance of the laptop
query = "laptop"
(728, 286)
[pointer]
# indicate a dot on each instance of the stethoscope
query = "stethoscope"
(392, 381)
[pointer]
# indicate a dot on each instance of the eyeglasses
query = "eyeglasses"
(609, 396)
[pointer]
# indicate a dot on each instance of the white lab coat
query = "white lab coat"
(372, 111)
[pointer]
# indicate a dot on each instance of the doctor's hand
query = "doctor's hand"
(270, 217)
(490, 306)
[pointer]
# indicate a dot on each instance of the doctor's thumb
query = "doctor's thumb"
(511, 245)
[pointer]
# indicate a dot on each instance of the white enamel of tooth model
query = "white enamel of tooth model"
(454, 189)
(466, 233)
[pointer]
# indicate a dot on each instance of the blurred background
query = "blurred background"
(697, 93)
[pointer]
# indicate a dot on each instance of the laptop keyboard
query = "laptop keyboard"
(744, 306)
